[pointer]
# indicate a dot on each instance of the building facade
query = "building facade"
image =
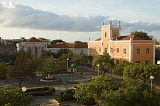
(127, 48)
(33, 45)
(76, 47)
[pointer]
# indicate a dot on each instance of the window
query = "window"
(90, 49)
(117, 50)
(111, 50)
(105, 50)
(138, 62)
(124, 51)
(138, 51)
(99, 49)
(41, 49)
(29, 49)
(105, 34)
(36, 50)
(95, 49)
(115, 34)
(146, 61)
(147, 50)
(117, 61)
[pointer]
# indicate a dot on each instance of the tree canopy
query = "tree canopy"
(105, 62)
(142, 35)
(23, 67)
(142, 72)
(12, 96)
(105, 92)
(57, 41)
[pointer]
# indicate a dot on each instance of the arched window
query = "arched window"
(105, 34)
(115, 34)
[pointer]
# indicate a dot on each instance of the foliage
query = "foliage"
(119, 67)
(57, 41)
(142, 72)
(48, 54)
(142, 35)
(12, 96)
(3, 70)
(23, 67)
(47, 66)
(86, 93)
(130, 94)
(104, 92)
(65, 96)
(80, 58)
(69, 55)
(105, 62)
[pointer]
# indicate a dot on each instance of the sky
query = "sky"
(72, 20)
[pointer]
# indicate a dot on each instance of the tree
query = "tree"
(23, 67)
(142, 72)
(142, 35)
(105, 92)
(80, 58)
(57, 41)
(105, 62)
(48, 66)
(119, 68)
(12, 96)
(129, 94)
(48, 54)
(88, 93)
(3, 70)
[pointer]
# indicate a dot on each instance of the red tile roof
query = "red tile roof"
(58, 46)
(98, 39)
(133, 37)
(33, 39)
(81, 45)
(71, 45)
(8, 47)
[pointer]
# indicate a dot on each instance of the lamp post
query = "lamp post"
(152, 78)
(24, 89)
(98, 68)
(67, 64)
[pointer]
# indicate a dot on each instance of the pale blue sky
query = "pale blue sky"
(141, 13)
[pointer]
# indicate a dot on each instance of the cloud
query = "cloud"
(20, 16)
(16, 15)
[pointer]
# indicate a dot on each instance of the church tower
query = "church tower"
(109, 32)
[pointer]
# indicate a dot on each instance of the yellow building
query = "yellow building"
(128, 48)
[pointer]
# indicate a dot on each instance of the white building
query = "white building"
(76, 47)
(33, 45)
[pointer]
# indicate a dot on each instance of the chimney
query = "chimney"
(102, 23)
(110, 23)
(119, 24)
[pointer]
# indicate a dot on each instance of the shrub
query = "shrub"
(37, 89)
(67, 96)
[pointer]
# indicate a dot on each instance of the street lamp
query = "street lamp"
(24, 89)
(67, 64)
(152, 78)
(98, 68)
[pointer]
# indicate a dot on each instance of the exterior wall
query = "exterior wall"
(143, 57)
(77, 51)
(121, 45)
(8, 51)
(36, 48)
(94, 48)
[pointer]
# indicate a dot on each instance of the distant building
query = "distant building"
(33, 45)
(127, 48)
(76, 47)
(6, 51)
